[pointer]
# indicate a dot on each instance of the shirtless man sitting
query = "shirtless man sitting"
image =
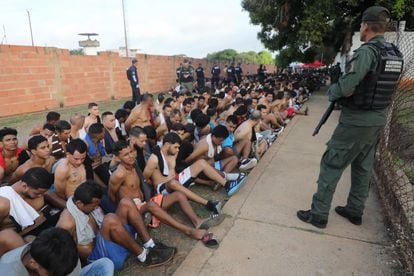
(76, 122)
(246, 132)
(11, 156)
(209, 148)
(22, 205)
(40, 157)
(93, 116)
(141, 115)
(125, 184)
(112, 235)
(70, 171)
(184, 178)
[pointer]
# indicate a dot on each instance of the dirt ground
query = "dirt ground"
(165, 234)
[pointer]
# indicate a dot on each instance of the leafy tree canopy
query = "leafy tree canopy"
(315, 26)
(231, 55)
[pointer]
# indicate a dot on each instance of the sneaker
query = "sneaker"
(231, 176)
(279, 130)
(248, 164)
(214, 206)
(158, 257)
(233, 186)
(213, 220)
(307, 217)
(161, 246)
(340, 210)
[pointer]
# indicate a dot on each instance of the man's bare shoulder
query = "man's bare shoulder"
(119, 174)
(66, 220)
(63, 167)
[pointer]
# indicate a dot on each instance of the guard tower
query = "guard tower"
(90, 47)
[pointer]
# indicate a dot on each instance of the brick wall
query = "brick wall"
(43, 78)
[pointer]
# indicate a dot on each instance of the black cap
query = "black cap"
(134, 60)
(376, 14)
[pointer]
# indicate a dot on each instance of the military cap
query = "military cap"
(376, 14)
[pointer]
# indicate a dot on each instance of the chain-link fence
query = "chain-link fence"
(395, 159)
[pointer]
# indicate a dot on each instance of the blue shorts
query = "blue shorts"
(218, 165)
(116, 253)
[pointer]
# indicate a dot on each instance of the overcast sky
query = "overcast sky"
(167, 27)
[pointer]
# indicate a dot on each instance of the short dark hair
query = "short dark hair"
(166, 106)
(220, 131)
(202, 120)
(171, 138)
(90, 105)
(178, 126)
(119, 146)
(62, 125)
(121, 113)
(213, 102)
(34, 141)
(55, 250)
(232, 119)
(52, 116)
(175, 112)
(49, 127)
(168, 101)
(187, 101)
(76, 145)
(377, 27)
(7, 131)
(161, 97)
(86, 191)
(96, 128)
(241, 110)
(106, 113)
(136, 131)
(150, 132)
(194, 114)
(38, 178)
(211, 111)
(201, 98)
(261, 106)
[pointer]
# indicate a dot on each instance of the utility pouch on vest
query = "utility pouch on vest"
(376, 89)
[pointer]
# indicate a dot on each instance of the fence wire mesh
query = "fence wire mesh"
(394, 167)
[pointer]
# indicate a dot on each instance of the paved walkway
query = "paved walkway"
(262, 235)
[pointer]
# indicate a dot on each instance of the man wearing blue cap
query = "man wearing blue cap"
(365, 93)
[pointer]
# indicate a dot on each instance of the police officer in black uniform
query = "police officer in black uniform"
(215, 76)
(200, 78)
(231, 74)
(132, 75)
(239, 72)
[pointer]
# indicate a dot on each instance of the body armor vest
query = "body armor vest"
(376, 89)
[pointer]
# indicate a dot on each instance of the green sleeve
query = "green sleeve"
(359, 66)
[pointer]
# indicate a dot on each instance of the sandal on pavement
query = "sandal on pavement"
(209, 241)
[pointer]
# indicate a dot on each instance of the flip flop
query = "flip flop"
(209, 241)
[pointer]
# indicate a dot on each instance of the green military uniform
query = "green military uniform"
(187, 77)
(355, 138)
(353, 141)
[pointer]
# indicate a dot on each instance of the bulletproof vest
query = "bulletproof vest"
(216, 70)
(376, 89)
(200, 72)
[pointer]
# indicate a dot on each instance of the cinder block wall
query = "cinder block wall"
(43, 78)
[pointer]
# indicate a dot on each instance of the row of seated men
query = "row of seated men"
(105, 178)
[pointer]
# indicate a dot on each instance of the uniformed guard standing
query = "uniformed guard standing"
(132, 75)
(200, 78)
(215, 76)
(231, 74)
(239, 72)
(187, 76)
(365, 93)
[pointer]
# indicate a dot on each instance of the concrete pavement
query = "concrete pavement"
(262, 235)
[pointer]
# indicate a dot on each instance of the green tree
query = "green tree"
(264, 57)
(247, 57)
(326, 25)
(224, 55)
